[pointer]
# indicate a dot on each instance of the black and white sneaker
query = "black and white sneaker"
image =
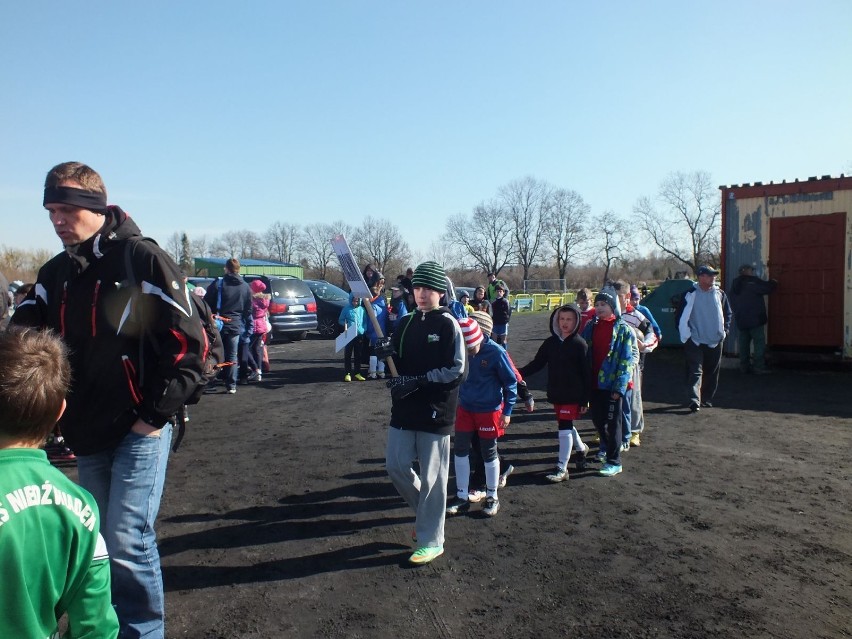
(561, 474)
(492, 505)
(458, 506)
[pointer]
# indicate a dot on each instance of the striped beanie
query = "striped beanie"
(471, 332)
(486, 324)
(430, 275)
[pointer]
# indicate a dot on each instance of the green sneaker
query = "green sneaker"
(426, 554)
(608, 470)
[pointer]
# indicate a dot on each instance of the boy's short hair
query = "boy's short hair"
(81, 173)
(34, 379)
(584, 294)
(233, 265)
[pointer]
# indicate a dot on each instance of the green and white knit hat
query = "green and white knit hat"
(430, 275)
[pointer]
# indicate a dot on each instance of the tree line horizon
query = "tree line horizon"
(530, 229)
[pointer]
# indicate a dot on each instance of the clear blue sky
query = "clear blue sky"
(209, 116)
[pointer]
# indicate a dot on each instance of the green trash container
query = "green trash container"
(661, 303)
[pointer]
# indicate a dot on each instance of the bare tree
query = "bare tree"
(611, 240)
(280, 241)
(199, 246)
(241, 244)
(173, 246)
(443, 252)
(567, 215)
(315, 244)
(226, 245)
(379, 242)
(684, 221)
(524, 201)
(486, 236)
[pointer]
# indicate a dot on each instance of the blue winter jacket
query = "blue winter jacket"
(491, 381)
(380, 308)
(353, 315)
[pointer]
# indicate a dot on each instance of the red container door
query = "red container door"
(806, 257)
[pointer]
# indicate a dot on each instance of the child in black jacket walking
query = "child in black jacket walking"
(565, 354)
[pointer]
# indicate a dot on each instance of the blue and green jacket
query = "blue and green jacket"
(617, 368)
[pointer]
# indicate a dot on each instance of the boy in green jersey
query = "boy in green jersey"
(52, 556)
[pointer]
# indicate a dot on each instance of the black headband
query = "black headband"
(91, 200)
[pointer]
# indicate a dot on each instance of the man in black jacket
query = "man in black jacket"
(747, 292)
(230, 298)
(137, 352)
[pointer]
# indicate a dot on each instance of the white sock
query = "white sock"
(373, 361)
(462, 475)
(380, 366)
(578, 443)
(492, 477)
(565, 439)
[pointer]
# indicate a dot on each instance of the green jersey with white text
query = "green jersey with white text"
(53, 559)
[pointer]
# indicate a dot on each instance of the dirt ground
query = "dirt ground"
(279, 520)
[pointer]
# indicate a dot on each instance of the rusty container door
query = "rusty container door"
(806, 257)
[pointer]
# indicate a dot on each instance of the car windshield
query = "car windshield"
(329, 292)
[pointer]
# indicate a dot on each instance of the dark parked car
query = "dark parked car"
(292, 310)
(330, 301)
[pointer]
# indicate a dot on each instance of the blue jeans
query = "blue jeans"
(231, 342)
(127, 484)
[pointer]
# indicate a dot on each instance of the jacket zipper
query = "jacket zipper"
(94, 307)
(62, 309)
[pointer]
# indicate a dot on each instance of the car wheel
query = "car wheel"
(327, 327)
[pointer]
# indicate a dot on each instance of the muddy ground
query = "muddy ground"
(279, 520)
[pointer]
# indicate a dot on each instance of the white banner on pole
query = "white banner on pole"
(345, 337)
(350, 269)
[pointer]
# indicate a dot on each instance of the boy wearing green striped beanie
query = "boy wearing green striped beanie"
(429, 354)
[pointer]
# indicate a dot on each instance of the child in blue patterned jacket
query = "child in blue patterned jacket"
(611, 343)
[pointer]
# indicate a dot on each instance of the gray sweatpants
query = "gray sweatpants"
(426, 493)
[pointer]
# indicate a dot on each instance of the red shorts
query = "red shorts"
(488, 425)
(567, 411)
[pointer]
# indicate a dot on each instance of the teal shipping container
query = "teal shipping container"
(661, 303)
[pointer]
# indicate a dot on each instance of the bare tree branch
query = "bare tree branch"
(280, 241)
(379, 242)
(684, 222)
(485, 236)
(173, 246)
(567, 215)
(524, 201)
(611, 240)
(315, 244)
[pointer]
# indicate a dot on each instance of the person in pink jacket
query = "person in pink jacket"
(260, 327)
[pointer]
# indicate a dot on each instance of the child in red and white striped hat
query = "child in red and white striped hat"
(486, 399)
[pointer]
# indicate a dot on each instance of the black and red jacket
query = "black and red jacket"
(87, 297)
